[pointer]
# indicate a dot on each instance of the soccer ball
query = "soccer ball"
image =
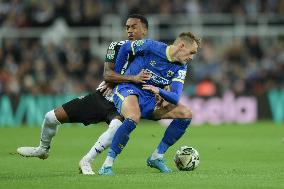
(186, 158)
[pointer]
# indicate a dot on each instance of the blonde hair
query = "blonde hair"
(189, 37)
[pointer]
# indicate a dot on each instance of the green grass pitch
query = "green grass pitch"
(232, 156)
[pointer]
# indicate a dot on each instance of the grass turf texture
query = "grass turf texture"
(232, 156)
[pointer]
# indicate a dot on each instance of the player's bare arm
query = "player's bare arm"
(111, 76)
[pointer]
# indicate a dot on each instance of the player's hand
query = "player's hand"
(159, 101)
(106, 89)
(151, 88)
(101, 86)
(142, 77)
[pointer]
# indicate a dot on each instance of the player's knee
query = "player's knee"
(50, 118)
(61, 115)
(188, 113)
(130, 109)
(135, 116)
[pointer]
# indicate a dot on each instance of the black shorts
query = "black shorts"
(92, 108)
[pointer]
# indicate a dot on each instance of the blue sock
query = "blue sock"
(173, 133)
(121, 137)
(111, 153)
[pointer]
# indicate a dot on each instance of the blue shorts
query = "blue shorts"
(146, 100)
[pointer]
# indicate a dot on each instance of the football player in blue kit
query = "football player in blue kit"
(167, 65)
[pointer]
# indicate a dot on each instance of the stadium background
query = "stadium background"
(52, 51)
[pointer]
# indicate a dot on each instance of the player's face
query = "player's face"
(135, 29)
(187, 52)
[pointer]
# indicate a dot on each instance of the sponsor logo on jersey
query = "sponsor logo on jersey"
(111, 49)
(112, 45)
(157, 79)
(110, 54)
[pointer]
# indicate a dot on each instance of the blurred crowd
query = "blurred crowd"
(28, 67)
(249, 65)
(25, 13)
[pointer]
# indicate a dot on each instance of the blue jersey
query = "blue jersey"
(112, 53)
(152, 56)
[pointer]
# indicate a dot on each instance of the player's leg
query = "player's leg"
(171, 111)
(182, 118)
(173, 133)
(105, 112)
(101, 144)
(50, 125)
(103, 141)
(131, 112)
(50, 122)
(79, 110)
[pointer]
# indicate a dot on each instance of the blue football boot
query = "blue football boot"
(158, 164)
(106, 171)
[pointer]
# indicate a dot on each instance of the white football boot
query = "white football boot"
(39, 152)
(85, 167)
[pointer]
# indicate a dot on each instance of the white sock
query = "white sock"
(156, 155)
(108, 162)
(49, 129)
(103, 141)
